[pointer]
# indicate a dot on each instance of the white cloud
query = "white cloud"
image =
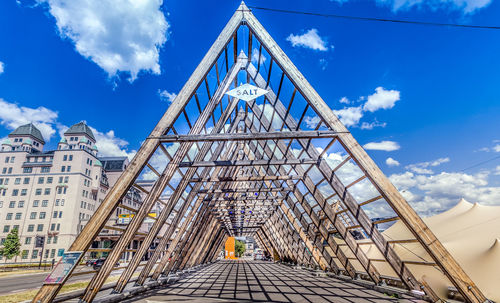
(382, 145)
(497, 171)
(323, 63)
(433, 193)
(350, 116)
(381, 99)
(344, 100)
(466, 6)
(255, 57)
(497, 148)
(111, 146)
(119, 36)
(310, 39)
(166, 96)
(2, 67)
(311, 122)
(423, 167)
(366, 125)
(12, 115)
(391, 162)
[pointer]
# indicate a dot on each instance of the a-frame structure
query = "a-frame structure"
(281, 168)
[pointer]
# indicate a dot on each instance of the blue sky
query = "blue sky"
(435, 89)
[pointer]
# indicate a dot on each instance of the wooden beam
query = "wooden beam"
(244, 190)
(248, 136)
(246, 178)
(261, 162)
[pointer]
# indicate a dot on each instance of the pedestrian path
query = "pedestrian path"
(245, 281)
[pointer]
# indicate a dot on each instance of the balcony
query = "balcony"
(37, 164)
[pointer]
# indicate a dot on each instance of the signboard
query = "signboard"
(61, 272)
(125, 218)
(247, 92)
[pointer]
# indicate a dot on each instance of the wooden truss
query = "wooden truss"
(281, 168)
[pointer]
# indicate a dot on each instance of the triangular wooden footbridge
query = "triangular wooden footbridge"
(277, 165)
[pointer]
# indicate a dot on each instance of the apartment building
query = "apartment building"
(53, 193)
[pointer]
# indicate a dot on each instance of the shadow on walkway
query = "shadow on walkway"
(259, 281)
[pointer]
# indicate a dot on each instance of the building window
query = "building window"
(7, 159)
(24, 192)
(52, 253)
(24, 254)
(60, 179)
(45, 170)
(34, 255)
(26, 181)
(49, 239)
(47, 253)
(40, 180)
(20, 204)
(27, 240)
(1, 181)
(60, 252)
(58, 226)
(49, 180)
(52, 228)
(63, 169)
(62, 202)
(10, 170)
(18, 216)
(12, 204)
(36, 203)
(57, 202)
(42, 215)
(55, 241)
(15, 192)
(70, 158)
(66, 179)
(17, 181)
(54, 215)
(65, 157)
(69, 169)
(9, 216)
(33, 215)
(38, 192)
(45, 203)
(39, 227)
(1, 204)
(27, 170)
(12, 159)
(60, 214)
(47, 191)
(6, 228)
(31, 227)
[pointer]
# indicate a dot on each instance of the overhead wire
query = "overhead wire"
(377, 19)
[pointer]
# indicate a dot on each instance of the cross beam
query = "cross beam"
(247, 178)
(314, 134)
(261, 162)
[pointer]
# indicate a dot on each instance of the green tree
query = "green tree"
(239, 248)
(11, 246)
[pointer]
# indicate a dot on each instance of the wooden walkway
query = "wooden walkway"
(259, 281)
